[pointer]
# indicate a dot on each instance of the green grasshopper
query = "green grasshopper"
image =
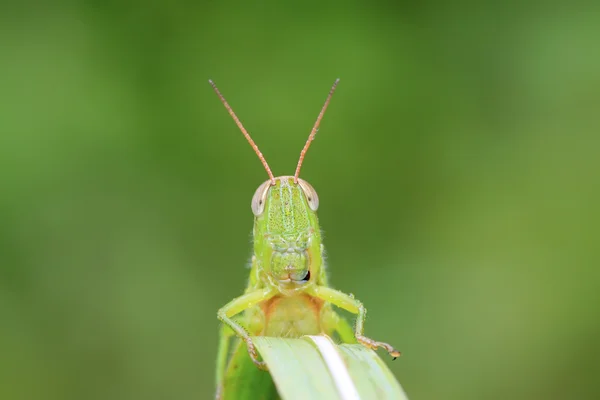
(288, 294)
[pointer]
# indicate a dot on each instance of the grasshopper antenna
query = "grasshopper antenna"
(246, 134)
(314, 130)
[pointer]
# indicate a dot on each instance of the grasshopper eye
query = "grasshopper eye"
(310, 193)
(259, 198)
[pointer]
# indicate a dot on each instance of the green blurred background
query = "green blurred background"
(457, 166)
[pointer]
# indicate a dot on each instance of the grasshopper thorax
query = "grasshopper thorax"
(287, 239)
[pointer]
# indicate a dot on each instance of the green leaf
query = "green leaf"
(313, 367)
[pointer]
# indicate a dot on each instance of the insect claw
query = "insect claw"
(372, 344)
(254, 356)
(261, 365)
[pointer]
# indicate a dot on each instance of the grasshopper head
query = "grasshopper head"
(287, 240)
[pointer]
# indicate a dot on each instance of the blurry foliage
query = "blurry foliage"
(457, 167)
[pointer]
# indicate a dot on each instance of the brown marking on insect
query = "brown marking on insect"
(292, 316)
(269, 306)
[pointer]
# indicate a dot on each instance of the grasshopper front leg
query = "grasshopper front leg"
(238, 305)
(354, 306)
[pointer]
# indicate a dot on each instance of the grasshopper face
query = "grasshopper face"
(287, 240)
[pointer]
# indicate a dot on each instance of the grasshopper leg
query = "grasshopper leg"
(333, 322)
(222, 355)
(354, 306)
(238, 305)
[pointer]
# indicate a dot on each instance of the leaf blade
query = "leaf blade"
(301, 370)
(297, 368)
(371, 375)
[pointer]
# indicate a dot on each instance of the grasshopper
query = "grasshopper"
(288, 293)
